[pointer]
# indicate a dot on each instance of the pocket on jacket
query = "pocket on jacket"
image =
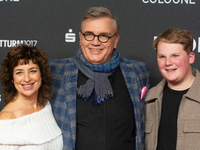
(191, 126)
(148, 126)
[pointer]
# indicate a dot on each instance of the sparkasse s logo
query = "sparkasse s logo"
(70, 36)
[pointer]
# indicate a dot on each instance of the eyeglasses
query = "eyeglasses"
(102, 37)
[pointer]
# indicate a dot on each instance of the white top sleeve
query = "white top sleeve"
(38, 131)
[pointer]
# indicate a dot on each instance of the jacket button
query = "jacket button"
(130, 68)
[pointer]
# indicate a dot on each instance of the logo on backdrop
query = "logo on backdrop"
(13, 43)
(0, 98)
(190, 2)
(70, 37)
(194, 44)
(9, 0)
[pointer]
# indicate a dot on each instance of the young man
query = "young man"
(96, 98)
(173, 106)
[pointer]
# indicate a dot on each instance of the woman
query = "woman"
(27, 122)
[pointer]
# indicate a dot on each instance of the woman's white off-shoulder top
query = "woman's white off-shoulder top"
(37, 131)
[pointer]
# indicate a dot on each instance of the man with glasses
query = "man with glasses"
(97, 100)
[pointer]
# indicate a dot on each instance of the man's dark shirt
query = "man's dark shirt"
(109, 125)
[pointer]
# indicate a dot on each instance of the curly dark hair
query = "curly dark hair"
(25, 53)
